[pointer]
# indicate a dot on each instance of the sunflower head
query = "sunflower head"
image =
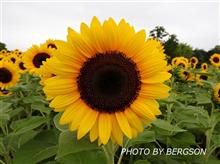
(194, 61)
(182, 64)
(34, 57)
(2, 57)
(216, 93)
(3, 51)
(215, 60)
(107, 78)
(8, 74)
(50, 44)
(174, 61)
(12, 58)
(186, 75)
(204, 67)
(5, 92)
(20, 65)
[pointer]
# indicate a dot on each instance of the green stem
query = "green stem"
(209, 133)
(109, 152)
(121, 155)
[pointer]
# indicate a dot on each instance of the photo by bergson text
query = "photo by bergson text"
(163, 151)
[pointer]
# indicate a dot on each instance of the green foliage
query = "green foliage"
(2, 46)
(183, 49)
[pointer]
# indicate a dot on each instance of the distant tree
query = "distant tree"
(201, 55)
(184, 49)
(2, 46)
(216, 49)
(171, 45)
(159, 33)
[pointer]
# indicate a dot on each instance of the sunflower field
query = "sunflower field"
(108, 94)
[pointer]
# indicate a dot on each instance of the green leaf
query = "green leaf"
(27, 152)
(5, 107)
(42, 147)
(144, 137)
(45, 153)
(41, 107)
(183, 139)
(16, 111)
(27, 124)
(68, 144)
(142, 162)
(56, 119)
(203, 99)
(84, 157)
(165, 125)
(2, 146)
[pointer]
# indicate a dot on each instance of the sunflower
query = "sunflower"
(50, 44)
(3, 51)
(45, 70)
(186, 75)
(2, 57)
(215, 60)
(20, 65)
(12, 57)
(200, 77)
(194, 61)
(216, 93)
(107, 79)
(4, 92)
(182, 63)
(8, 74)
(204, 67)
(174, 61)
(33, 58)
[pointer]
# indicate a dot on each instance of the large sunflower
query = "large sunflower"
(107, 79)
(33, 58)
(215, 60)
(8, 74)
(216, 93)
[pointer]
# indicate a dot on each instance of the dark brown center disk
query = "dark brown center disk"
(21, 66)
(5, 75)
(109, 82)
(51, 45)
(219, 93)
(204, 77)
(39, 58)
(216, 60)
(193, 60)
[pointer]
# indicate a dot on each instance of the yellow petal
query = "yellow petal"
(116, 131)
(70, 112)
(142, 109)
(78, 116)
(157, 78)
(155, 91)
(64, 100)
(94, 132)
(133, 120)
(105, 127)
(123, 123)
(87, 123)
